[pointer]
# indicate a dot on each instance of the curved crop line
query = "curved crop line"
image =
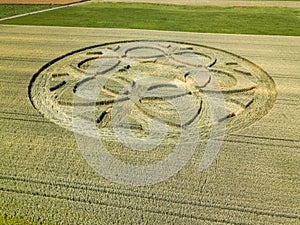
(213, 63)
(95, 53)
(229, 91)
(58, 86)
(243, 72)
(114, 49)
(101, 117)
(82, 82)
(59, 75)
(75, 67)
(124, 79)
(109, 69)
(161, 86)
(234, 101)
(226, 117)
(86, 60)
(162, 98)
(231, 63)
(207, 83)
(222, 72)
(190, 52)
(111, 92)
(194, 117)
(145, 57)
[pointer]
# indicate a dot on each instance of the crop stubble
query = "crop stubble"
(43, 176)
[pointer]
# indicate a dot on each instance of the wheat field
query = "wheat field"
(254, 180)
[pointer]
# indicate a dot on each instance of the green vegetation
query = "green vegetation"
(235, 20)
(7, 220)
(276, 0)
(11, 10)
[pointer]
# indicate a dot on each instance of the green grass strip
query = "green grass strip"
(11, 10)
(234, 20)
(274, 0)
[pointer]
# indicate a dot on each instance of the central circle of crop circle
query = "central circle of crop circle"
(150, 87)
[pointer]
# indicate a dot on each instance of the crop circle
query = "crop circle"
(147, 94)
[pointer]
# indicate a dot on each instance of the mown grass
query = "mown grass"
(275, 0)
(234, 20)
(11, 10)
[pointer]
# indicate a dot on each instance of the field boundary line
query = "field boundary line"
(43, 10)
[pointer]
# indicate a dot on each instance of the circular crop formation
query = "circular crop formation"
(149, 76)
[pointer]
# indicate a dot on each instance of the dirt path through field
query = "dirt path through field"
(214, 2)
